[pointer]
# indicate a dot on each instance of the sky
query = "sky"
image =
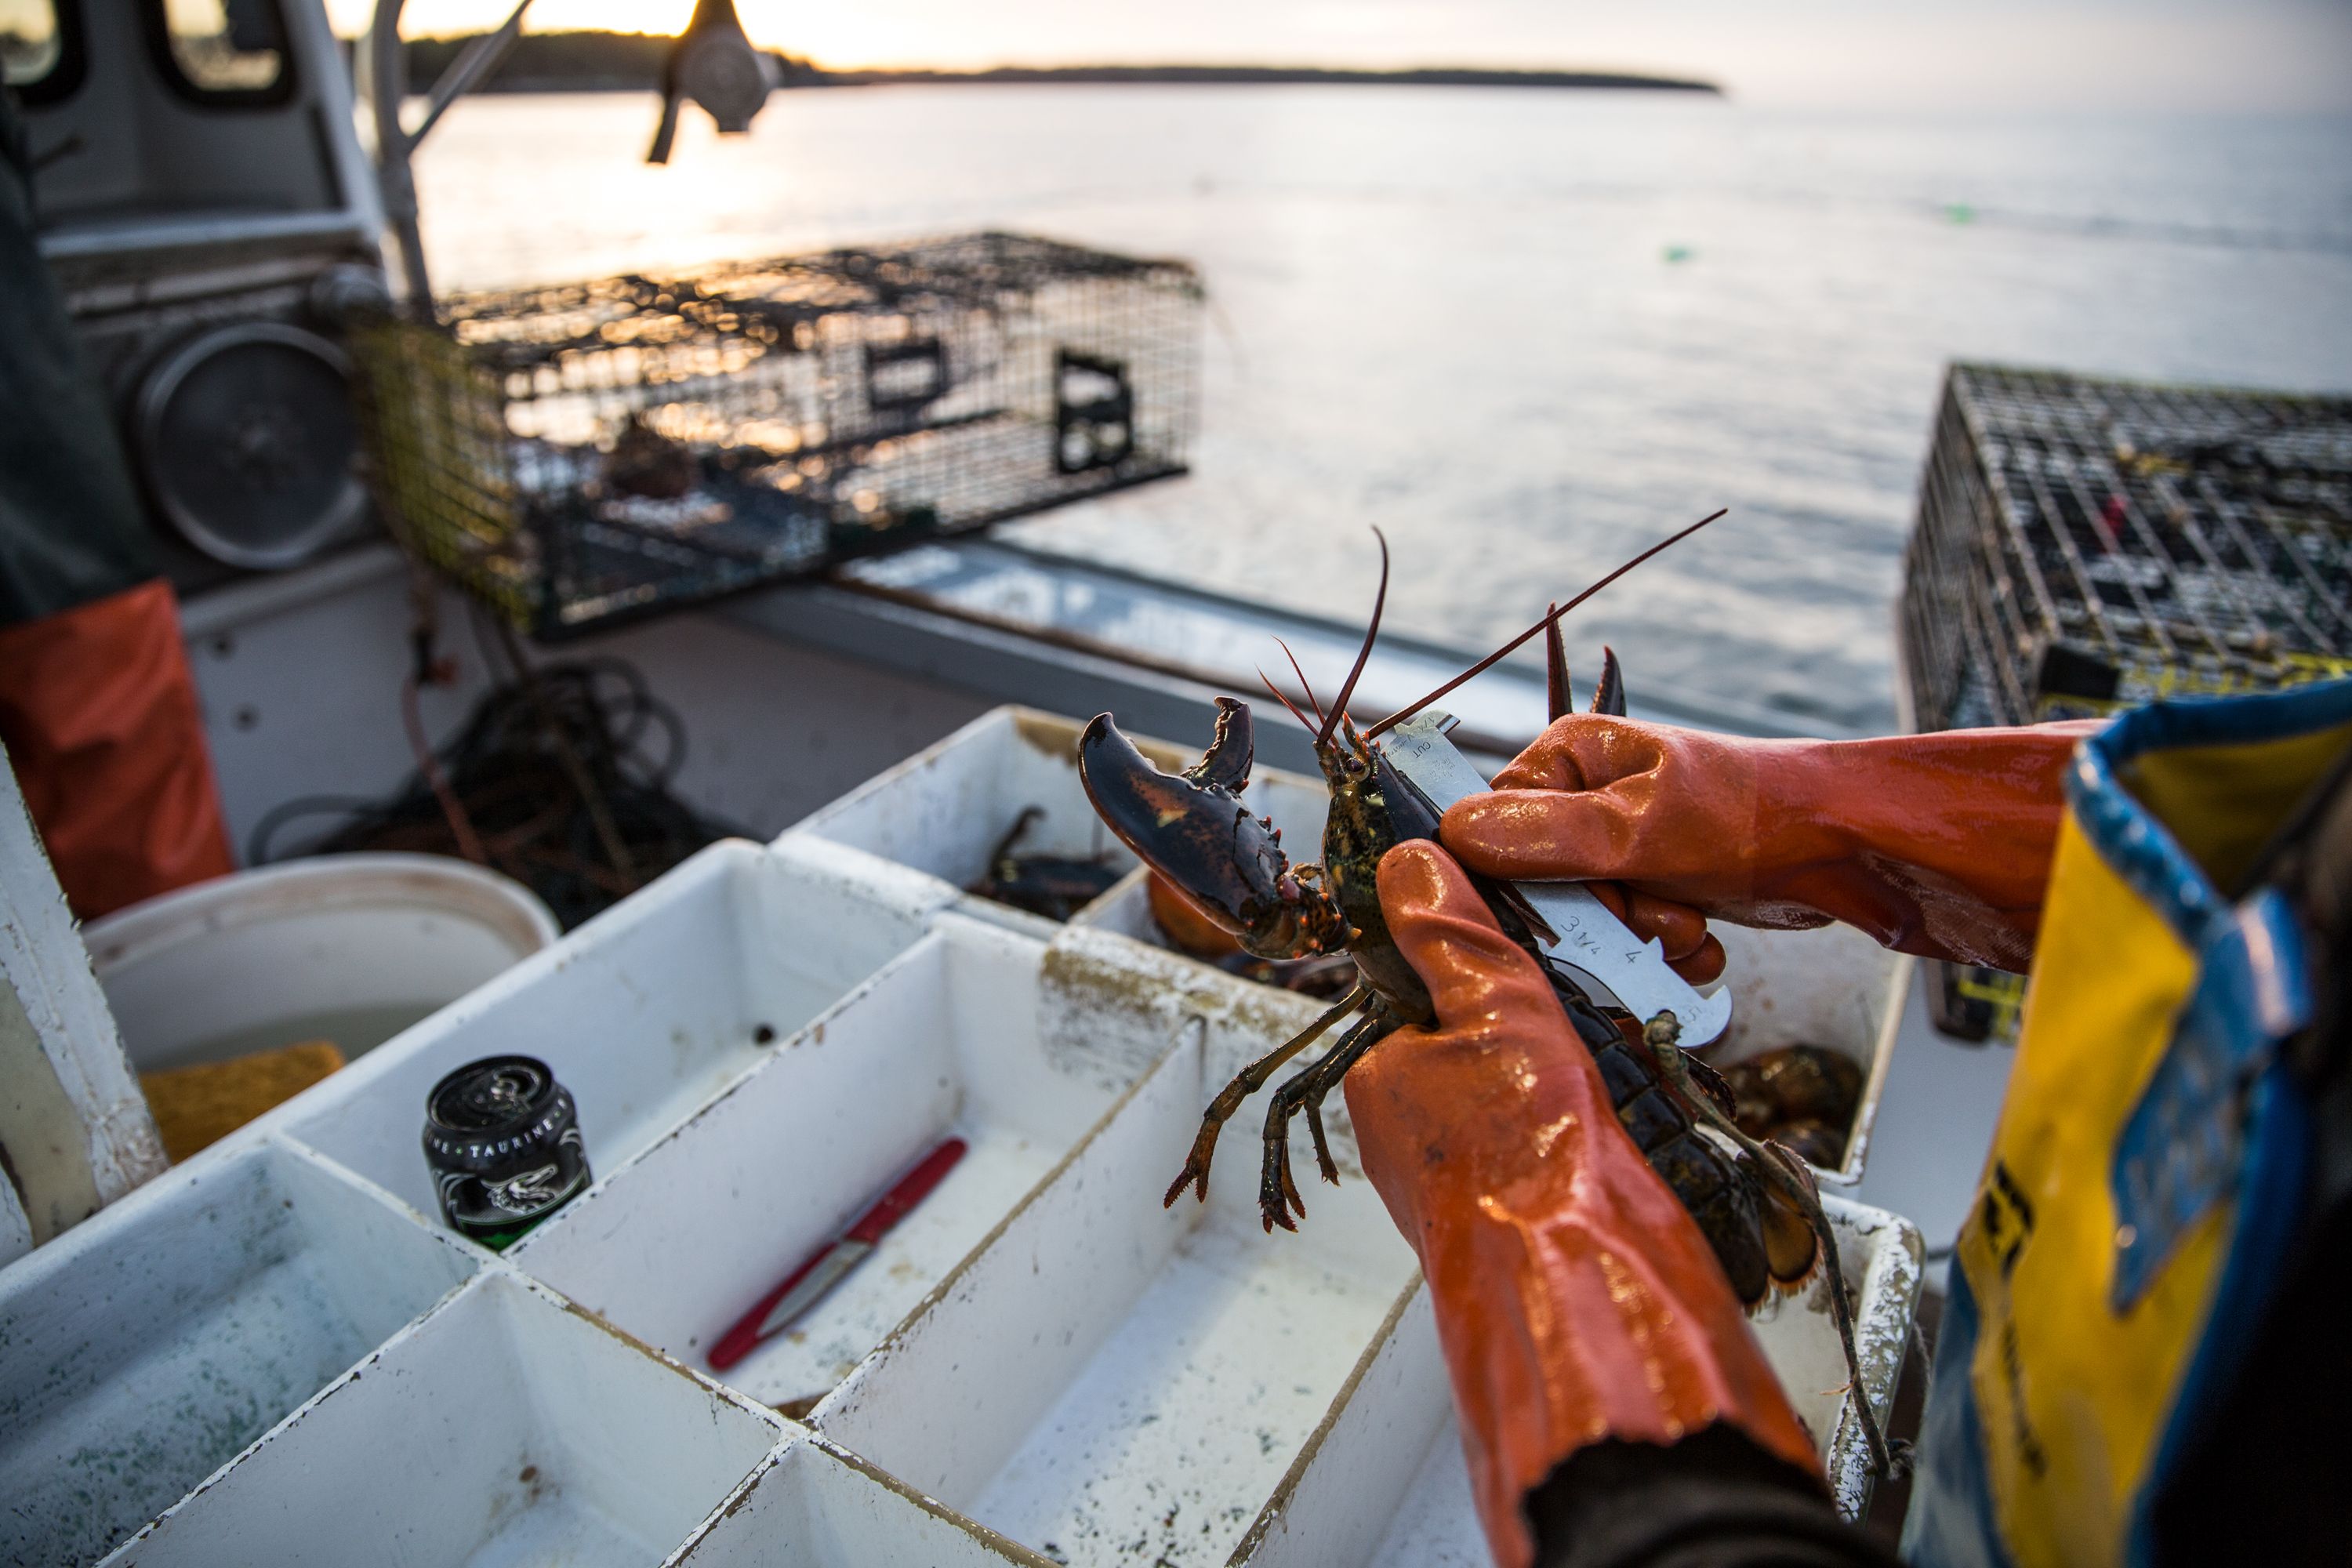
(2227, 56)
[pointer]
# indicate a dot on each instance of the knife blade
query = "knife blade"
(832, 1260)
(1592, 943)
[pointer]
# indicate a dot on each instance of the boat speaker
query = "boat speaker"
(248, 440)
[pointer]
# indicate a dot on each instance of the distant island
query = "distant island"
(612, 62)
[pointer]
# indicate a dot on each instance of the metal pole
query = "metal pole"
(384, 77)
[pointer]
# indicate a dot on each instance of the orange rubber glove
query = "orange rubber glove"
(1575, 1298)
(99, 716)
(1935, 844)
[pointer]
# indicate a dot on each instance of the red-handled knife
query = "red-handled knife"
(824, 1267)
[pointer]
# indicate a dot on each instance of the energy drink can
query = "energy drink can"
(502, 1138)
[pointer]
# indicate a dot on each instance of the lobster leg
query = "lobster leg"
(1277, 1194)
(1324, 1076)
(1789, 1179)
(1248, 1081)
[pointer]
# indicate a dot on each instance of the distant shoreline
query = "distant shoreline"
(631, 62)
(1281, 76)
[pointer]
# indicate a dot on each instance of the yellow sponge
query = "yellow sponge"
(201, 1105)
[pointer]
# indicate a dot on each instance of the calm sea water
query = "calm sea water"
(1524, 332)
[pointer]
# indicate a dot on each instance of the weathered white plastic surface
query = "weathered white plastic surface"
(821, 1507)
(1108, 1381)
(1350, 1490)
(943, 810)
(139, 1355)
(1831, 987)
(644, 1013)
(505, 1428)
(1436, 1525)
(674, 1245)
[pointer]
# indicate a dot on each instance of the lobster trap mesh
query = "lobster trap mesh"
(577, 454)
(2085, 545)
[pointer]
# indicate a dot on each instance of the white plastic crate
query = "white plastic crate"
(1039, 1363)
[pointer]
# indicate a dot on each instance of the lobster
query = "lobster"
(1754, 1200)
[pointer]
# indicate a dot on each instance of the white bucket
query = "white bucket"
(348, 948)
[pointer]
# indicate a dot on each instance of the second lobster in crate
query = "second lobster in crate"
(581, 453)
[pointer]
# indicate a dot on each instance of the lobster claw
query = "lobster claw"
(1609, 696)
(1193, 828)
(1231, 747)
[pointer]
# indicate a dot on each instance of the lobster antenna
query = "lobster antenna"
(1363, 655)
(1298, 672)
(1308, 724)
(1402, 714)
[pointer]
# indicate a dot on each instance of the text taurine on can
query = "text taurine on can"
(502, 1138)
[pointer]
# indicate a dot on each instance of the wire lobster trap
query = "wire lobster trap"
(579, 454)
(2083, 545)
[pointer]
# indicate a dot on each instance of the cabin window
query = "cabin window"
(221, 52)
(40, 48)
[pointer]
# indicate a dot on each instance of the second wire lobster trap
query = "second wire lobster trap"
(587, 452)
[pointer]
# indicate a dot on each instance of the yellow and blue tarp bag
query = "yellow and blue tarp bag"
(2150, 1173)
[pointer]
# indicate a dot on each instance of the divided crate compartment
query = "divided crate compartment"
(644, 1013)
(1109, 1382)
(819, 1507)
(139, 1355)
(942, 811)
(1436, 1524)
(1383, 1482)
(506, 1428)
(677, 1243)
(1831, 987)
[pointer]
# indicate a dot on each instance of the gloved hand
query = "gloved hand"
(1577, 1302)
(1935, 844)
